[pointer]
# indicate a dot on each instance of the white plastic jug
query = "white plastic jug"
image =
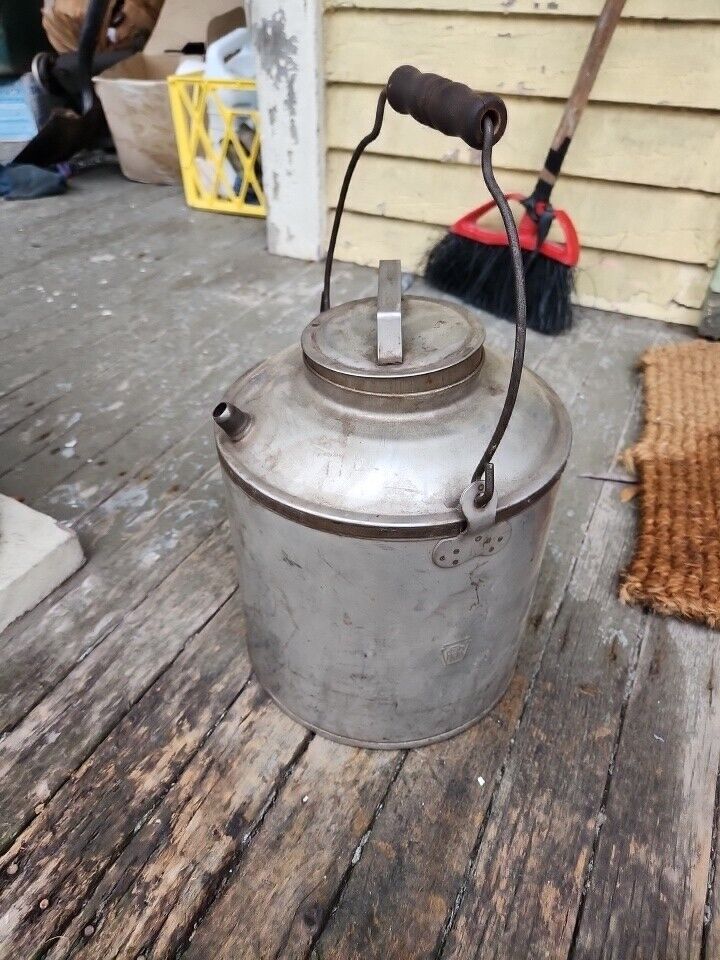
(228, 58)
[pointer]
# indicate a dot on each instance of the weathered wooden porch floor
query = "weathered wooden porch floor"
(154, 803)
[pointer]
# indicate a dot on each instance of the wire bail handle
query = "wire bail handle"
(480, 120)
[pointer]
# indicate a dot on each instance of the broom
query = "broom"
(473, 261)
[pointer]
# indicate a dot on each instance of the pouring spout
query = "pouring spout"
(233, 421)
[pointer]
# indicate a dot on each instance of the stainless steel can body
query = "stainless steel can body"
(368, 641)
(384, 596)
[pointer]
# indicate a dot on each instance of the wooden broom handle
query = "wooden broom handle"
(577, 101)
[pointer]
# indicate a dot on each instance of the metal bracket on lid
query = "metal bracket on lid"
(389, 313)
(482, 537)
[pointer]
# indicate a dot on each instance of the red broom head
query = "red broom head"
(567, 252)
(473, 263)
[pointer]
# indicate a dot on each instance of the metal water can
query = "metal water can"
(390, 485)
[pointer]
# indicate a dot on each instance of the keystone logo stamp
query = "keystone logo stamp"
(455, 652)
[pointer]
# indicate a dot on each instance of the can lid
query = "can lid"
(374, 467)
(357, 433)
(441, 345)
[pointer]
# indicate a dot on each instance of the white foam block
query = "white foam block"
(36, 556)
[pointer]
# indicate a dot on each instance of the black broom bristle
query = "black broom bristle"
(481, 274)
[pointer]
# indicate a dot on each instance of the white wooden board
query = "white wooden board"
(36, 555)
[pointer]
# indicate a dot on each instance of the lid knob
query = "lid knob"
(389, 313)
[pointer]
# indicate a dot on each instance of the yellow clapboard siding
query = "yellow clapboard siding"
(647, 221)
(638, 9)
(652, 62)
(630, 144)
(640, 286)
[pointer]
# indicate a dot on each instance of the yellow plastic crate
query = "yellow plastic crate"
(220, 171)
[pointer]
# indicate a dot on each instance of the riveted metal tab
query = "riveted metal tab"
(482, 537)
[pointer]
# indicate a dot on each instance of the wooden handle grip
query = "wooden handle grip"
(449, 107)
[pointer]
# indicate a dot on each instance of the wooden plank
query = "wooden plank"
(60, 256)
(43, 228)
(106, 407)
(649, 881)
(38, 374)
(66, 250)
(642, 65)
(402, 890)
(182, 924)
(154, 892)
(68, 846)
(106, 179)
(104, 399)
(638, 9)
(178, 428)
(200, 311)
(615, 142)
(60, 633)
(103, 296)
(622, 218)
(50, 743)
(639, 286)
(524, 888)
(399, 898)
(110, 402)
(283, 889)
(135, 257)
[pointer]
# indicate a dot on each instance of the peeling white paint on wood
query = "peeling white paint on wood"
(288, 44)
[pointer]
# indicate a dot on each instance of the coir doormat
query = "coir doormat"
(676, 566)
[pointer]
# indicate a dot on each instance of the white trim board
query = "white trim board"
(290, 77)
